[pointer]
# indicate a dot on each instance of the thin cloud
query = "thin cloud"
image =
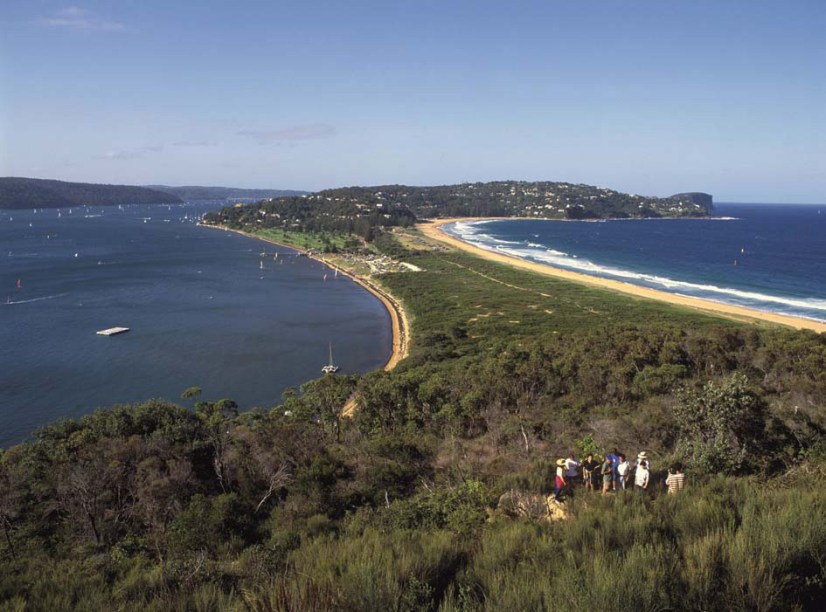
(76, 18)
(123, 154)
(120, 155)
(194, 143)
(310, 131)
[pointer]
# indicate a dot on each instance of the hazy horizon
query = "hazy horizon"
(645, 98)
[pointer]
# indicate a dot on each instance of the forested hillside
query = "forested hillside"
(408, 504)
(224, 193)
(314, 214)
(38, 193)
(521, 199)
(362, 210)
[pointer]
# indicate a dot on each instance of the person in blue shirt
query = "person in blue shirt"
(613, 457)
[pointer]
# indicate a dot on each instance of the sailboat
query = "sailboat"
(330, 368)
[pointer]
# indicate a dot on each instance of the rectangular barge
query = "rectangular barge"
(113, 331)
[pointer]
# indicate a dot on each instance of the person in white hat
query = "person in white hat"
(641, 476)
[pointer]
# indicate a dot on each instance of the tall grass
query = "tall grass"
(729, 544)
(402, 569)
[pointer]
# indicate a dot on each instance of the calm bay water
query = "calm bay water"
(768, 257)
(205, 307)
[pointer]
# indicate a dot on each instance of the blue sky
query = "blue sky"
(651, 97)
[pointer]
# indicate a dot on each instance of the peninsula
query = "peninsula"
(359, 219)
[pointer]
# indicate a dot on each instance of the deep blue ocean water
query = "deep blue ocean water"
(769, 257)
(201, 309)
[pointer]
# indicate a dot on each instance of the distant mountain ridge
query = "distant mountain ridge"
(19, 192)
(194, 192)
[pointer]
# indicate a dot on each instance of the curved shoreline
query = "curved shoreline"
(432, 229)
(399, 322)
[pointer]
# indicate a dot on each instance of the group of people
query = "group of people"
(613, 474)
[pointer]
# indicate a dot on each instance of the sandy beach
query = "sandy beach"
(432, 230)
(398, 316)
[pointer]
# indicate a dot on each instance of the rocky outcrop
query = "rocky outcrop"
(517, 504)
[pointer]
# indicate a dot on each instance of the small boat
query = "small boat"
(261, 265)
(330, 368)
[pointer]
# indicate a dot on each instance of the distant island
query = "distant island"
(18, 192)
(360, 210)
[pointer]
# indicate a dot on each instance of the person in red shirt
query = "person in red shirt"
(559, 482)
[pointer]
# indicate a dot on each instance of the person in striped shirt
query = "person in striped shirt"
(675, 480)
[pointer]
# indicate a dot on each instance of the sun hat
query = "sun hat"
(560, 462)
(642, 455)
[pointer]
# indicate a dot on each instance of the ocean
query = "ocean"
(769, 257)
(205, 307)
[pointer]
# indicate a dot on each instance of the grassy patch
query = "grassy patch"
(323, 241)
(491, 301)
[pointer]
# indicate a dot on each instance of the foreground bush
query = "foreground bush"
(727, 544)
